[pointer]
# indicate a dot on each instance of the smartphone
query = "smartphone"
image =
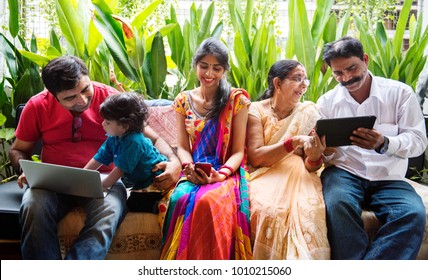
(205, 166)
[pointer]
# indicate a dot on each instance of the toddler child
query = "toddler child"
(133, 155)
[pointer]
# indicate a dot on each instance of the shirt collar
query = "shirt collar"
(344, 96)
(119, 139)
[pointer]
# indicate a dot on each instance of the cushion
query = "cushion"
(138, 237)
(162, 121)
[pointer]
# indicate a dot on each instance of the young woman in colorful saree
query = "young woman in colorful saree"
(208, 215)
(287, 207)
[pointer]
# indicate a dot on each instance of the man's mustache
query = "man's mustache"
(351, 81)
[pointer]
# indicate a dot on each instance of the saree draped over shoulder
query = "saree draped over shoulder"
(209, 221)
(287, 207)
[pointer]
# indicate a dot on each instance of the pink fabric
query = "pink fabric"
(43, 117)
(162, 121)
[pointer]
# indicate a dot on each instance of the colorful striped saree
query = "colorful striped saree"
(210, 221)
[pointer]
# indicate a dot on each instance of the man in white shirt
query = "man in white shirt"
(369, 173)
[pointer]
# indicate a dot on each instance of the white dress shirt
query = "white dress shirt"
(399, 118)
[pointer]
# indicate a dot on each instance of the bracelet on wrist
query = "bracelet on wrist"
(314, 163)
(223, 173)
(288, 145)
(228, 167)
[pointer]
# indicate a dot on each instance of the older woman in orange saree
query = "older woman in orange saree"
(287, 207)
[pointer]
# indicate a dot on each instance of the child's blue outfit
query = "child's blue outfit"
(135, 155)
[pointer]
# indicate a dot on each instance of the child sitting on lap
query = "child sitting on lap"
(133, 155)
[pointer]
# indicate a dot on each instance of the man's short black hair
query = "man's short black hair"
(63, 73)
(343, 48)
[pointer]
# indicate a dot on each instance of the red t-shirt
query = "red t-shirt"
(44, 118)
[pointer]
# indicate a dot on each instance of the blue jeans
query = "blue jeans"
(41, 211)
(395, 203)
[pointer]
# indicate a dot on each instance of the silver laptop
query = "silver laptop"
(63, 179)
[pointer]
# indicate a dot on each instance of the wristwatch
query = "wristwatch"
(384, 147)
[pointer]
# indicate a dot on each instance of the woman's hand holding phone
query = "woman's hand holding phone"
(204, 166)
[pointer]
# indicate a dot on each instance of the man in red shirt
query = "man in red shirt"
(65, 117)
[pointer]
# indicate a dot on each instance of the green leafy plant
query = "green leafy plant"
(24, 79)
(254, 48)
(370, 11)
(420, 175)
(183, 41)
(306, 42)
(6, 138)
(386, 54)
(139, 56)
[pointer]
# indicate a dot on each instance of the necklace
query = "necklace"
(274, 112)
(207, 108)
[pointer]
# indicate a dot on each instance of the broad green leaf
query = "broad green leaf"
(343, 26)
(248, 14)
(24, 89)
(272, 53)
(4, 99)
(52, 53)
(240, 55)
(147, 75)
(417, 29)
(33, 43)
(244, 33)
(40, 60)
(176, 41)
(401, 26)
(8, 51)
(54, 41)
(13, 17)
(381, 34)
(289, 49)
(144, 14)
(412, 29)
(158, 64)
(329, 34)
(2, 120)
(218, 29)
(104, 11)
(94, 38)
(6, 133)
(164, 31)
(234, 9)
(321, 17)
(303, 44)
(113, 36)
(204, 29)
(258, 48)
(71, 26)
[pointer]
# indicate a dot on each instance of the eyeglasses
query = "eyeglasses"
(300, 80)
(76, 136)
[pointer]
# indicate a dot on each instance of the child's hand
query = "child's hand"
(22, 180)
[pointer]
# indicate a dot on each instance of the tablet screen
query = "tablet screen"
(337, 131)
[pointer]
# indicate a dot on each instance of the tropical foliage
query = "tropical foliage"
(183, 41)
(143, 54)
